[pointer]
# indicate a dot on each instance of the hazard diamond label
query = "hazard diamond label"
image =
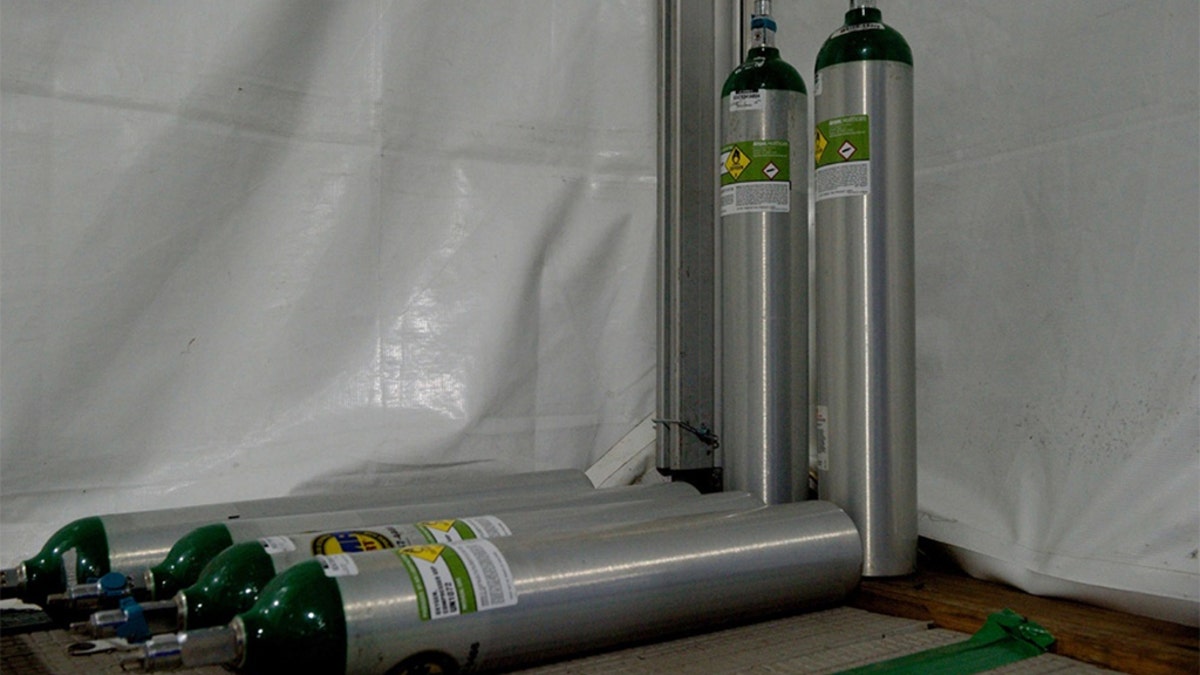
(753, 161)
(737, 162)
(465, 577)
(843, 167)
(426, 553)
(842, 139)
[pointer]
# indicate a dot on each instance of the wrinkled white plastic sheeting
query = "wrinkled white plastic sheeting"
(250, 247)
(1058, 263)
(255, 247)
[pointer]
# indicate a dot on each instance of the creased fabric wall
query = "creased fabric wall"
(256, 247)
(1058, 308)
(250, 248)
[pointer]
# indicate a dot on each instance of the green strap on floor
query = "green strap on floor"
(1005, 637)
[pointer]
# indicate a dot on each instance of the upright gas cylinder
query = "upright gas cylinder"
(864, 352)
(763, 275)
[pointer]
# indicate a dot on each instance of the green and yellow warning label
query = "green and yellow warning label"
(755, 176)
(459, 529)
(458, 578)
(843, 139)
(736, 162)
(842, 150)
(755, 161)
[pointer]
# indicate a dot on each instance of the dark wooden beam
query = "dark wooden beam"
(1123, 642)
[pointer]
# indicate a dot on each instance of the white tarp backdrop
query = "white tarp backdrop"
(254, 247)
(251, 245)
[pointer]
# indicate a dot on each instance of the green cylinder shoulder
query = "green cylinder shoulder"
(45, 573)
(763, 69)
(187, 558)
(227, 585)
(297, 625)
(864, 37)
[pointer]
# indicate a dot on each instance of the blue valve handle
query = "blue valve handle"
(114, 585)
(135, 629)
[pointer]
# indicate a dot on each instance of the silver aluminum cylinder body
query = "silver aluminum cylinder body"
(678, 499)
(624, 507)
(249, 529)
(139, 540)
(352, 524)
(763, 336)
(584, 592)
(865, 386)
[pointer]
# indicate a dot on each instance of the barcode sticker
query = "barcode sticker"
(340, 565)
(273, 545)
(746, 100)
(823, 437)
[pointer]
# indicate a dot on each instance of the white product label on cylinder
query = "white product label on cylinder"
(487, 527)
(851, 179)
(755, 197)
(746, 100)
(404, 535)
(856, 28)
(461, 529)
(458, 578)
(823, 437)
(275, 545)
(340, 565)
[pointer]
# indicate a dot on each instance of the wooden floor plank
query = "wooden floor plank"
(1109, 639)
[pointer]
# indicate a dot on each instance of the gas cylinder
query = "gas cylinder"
(130, 542)
(763, 272)
(496, 604)
(189, 555)
(864, 353)
(231, 582)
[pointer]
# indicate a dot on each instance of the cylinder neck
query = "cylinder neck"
(863, 11)
(173, 651)
(762, 26)
(12, 581)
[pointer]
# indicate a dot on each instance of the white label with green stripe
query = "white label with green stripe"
(458, 578)
(461, 529)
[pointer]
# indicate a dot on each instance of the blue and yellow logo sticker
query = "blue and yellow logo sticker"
(351, 541)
